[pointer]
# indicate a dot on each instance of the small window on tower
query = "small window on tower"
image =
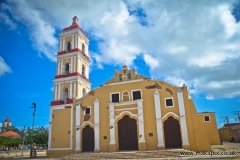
(83, 48)
(83, 70)
(129, 76)
(87, 111)
(124, 70)
(68, 46)
(66, 69)
(120, 78)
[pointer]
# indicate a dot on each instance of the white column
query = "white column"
(112, 124)
(79, 89)
(58, 64)
(55, 92)
(71, 70)
(87, 70)
(59, 90)
(61, 66)
(158, 118)
(78, 115)
(80, 66)
(74, 64)
(59, 44)
(70, 90)
(75, 44)
(141, 120)
(74, 89)
(96, 124)
(72, 41)
(63, 45)
(182, 118)
(86, 49)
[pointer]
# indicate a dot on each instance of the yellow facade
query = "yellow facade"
(149, 114)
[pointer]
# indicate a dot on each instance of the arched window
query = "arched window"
(66, 72)
(83, 48)
(84, 92)
(129, 76)
(120, 78)
(68, 46)
(125, 96)
(65, 95)
(83, 70)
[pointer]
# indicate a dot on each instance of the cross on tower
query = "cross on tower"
(124, 61)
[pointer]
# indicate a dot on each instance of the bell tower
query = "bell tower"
(72, 73)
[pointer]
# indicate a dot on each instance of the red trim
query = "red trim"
(59, 102)
(72, 74)
(73, 26)
(74, 50)
(69, 101)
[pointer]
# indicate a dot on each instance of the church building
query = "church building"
(128, 112)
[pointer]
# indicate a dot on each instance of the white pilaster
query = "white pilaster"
(70, 90)
(72, 41)
(182, 118)
(87, 70)
(58, 64)
(96, 124)
(63, 45)
(71, 65)
(76, 39)
(55, 92)
(78, 115)
(141, 121)
(158, 118)
(86, 49)
(74, 89)
(61, 66)
(74, 64)
(79, 89)
(80, 66)
(60, 39)
(59, 90)
(112, 125)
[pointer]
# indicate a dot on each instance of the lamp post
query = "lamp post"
(34, 106)
(23, 139)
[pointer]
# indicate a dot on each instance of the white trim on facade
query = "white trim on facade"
(158, 113)
(117, 83)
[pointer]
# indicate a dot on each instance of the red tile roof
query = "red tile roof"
(7, 120)
(9, 134)
(73, 26)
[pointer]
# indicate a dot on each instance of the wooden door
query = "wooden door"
(88, 139)
(172, 133)
(127, 134)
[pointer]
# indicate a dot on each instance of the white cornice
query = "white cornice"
(117, 83)
(67, 55)
(74, 31)
(72, 78)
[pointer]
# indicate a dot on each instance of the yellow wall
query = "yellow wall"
(60, 137)
(224, 133)
(211, 128)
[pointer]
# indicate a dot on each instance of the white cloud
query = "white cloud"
(4, 68)
(52, 88)
(195, 42)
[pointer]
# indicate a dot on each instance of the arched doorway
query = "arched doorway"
(127, 134)
(172, 133)
(65, 95)
(88, 139)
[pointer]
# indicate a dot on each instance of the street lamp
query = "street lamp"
(34, 112)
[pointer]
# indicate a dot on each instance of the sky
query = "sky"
(181, 42)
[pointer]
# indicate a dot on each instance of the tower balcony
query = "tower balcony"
(59, 102)
(74, 50)
(72, 74)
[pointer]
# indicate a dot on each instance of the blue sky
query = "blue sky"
(191, 42)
